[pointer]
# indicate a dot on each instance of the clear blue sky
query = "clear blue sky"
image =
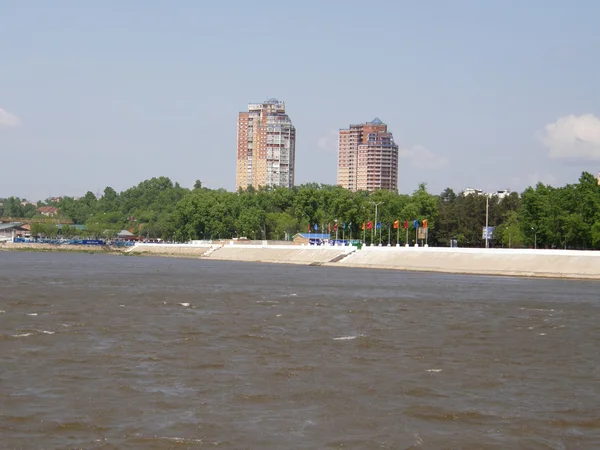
(486, 94)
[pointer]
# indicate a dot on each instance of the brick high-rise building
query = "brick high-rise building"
(266, 147)
(367, 158)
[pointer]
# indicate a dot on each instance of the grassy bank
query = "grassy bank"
(21, 247)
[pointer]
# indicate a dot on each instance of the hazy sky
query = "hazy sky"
(478, 93)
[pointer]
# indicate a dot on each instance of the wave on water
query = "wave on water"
(348, 338)
(25, 333)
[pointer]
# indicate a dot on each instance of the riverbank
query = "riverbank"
(572, 264)
(33, 247)
(569, 264)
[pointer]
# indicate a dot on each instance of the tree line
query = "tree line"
(542, 216)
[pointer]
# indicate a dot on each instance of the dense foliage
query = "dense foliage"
(566, 217)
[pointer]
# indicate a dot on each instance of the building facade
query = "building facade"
(367, 158)
(266, 146)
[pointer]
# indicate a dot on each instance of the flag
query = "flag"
(416, 223)
(363, 226)
(329, 228)
(424, 223)
(378, 226)
(335, 226)
(309, 227)
(316, 226)
(370, 225)
(344, 226)
(349, 224)
(406, 224)
(396, 224)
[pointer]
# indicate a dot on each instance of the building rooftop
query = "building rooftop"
(315, 235)
(4, 226)
(376, 121)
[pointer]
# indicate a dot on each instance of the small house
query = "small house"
(311, 238)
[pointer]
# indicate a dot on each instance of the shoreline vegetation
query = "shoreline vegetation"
(542, 216)
(526, 263)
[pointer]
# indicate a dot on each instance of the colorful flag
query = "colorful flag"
(424, 223)
(349, 224)
(335, 226)
(309, 227)
(316, 226)
(378, 226)
(363, 226)
(344, 226)
(406, 224)
(416, 223)
(370, 225)
(329, 228)
(396, 224)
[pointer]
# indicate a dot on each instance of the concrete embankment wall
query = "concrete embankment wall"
(189, 250)
(513, 262)
(291, 254)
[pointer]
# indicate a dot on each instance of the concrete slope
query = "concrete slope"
(189, 250)
(514, 262)
(292, 254)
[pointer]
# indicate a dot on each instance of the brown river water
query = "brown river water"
(114, 352)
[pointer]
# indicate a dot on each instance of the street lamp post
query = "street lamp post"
(487, 208)
(375, 224)
(535, 237)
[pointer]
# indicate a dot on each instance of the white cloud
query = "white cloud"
(422, 158)
(8, 120)
(573, 137)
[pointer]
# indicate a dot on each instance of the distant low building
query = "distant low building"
(125, 235)
(11, 230)
(49, 211)
(500, 194)
(472, 191)
(311, 238)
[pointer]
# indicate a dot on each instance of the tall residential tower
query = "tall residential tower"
(266, 146)
(367, 158)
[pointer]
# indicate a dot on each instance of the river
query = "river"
(107, 352)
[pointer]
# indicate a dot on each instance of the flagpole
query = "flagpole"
(406, 243)
(398, 235)
(389, 236)
(375, 224)
(487, 205)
